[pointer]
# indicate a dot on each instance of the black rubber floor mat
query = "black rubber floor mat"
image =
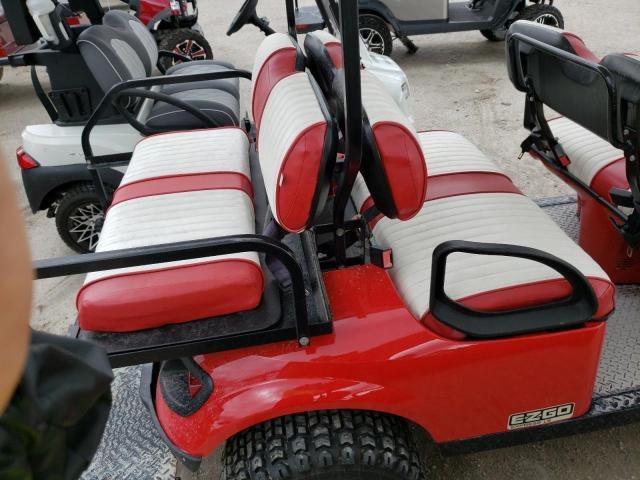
(131, 449)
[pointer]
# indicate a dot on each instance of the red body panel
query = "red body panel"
(598, 236)
(7, 42)
(404, 167)
(381, 358)
(298, 176)
(150, 8)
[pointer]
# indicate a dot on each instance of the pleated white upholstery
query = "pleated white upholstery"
(292, 114)
(588, 153)
(449, 152)
(193, 152)
(445, 153)
(269, 46)
(488, 217)
(175, 217)
(379, 104)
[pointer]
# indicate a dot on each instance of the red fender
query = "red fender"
(381, 358)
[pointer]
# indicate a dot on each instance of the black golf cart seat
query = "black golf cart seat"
(192, 185)
(468, 198)
(585, 146)
(123, 49)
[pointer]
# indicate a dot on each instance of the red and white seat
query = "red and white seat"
(170, 202)
(469, 198)
(296, 167)
(593, 160)
(393, 165)
(597, 100)
(194, 185)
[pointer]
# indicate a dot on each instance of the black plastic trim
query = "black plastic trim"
(575, 310)
(607, 411)
(174, 385)
(374, 175)
(148, 382)
(353, 130)
(329, 152)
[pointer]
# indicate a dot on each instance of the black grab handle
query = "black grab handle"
(576, 309)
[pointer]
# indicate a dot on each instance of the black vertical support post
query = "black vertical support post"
(291, 18)
(349, 29)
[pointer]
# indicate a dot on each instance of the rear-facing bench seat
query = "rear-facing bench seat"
(193, 185)
(590, 158)
(599, 108)
(467, 198)
(165, 198)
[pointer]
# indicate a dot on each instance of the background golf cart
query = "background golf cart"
(383, 20)
(175, 25)
(56, 179)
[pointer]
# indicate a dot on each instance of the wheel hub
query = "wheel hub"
(548, 19)
(373, 40)
(192, 49)
(85, 224)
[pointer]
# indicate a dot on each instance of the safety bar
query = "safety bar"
(149, 82)
(174, 252)
(132, 88)
(578, 308)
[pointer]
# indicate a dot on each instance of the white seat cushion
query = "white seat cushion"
(189, 153)
(469, 198)
(589, 154)
(445, 153)
(291, 145)
(180, 187)
(486, 217)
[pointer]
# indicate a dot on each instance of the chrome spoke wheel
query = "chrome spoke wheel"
(84, 225)
(192, 49)
(373, 40)
(548, 19)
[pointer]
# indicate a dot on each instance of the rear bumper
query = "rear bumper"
(41, 181)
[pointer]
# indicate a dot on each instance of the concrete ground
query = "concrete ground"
(459, 83)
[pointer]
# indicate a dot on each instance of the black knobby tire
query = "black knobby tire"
(540, 13)
(495, 35)
(79, 218)
(184, 41)
(324, 445)
(376, 34)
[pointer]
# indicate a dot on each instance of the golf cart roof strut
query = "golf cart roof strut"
(291, 17)
(349, 34)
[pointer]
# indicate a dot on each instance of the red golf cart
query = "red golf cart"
(306, 288)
